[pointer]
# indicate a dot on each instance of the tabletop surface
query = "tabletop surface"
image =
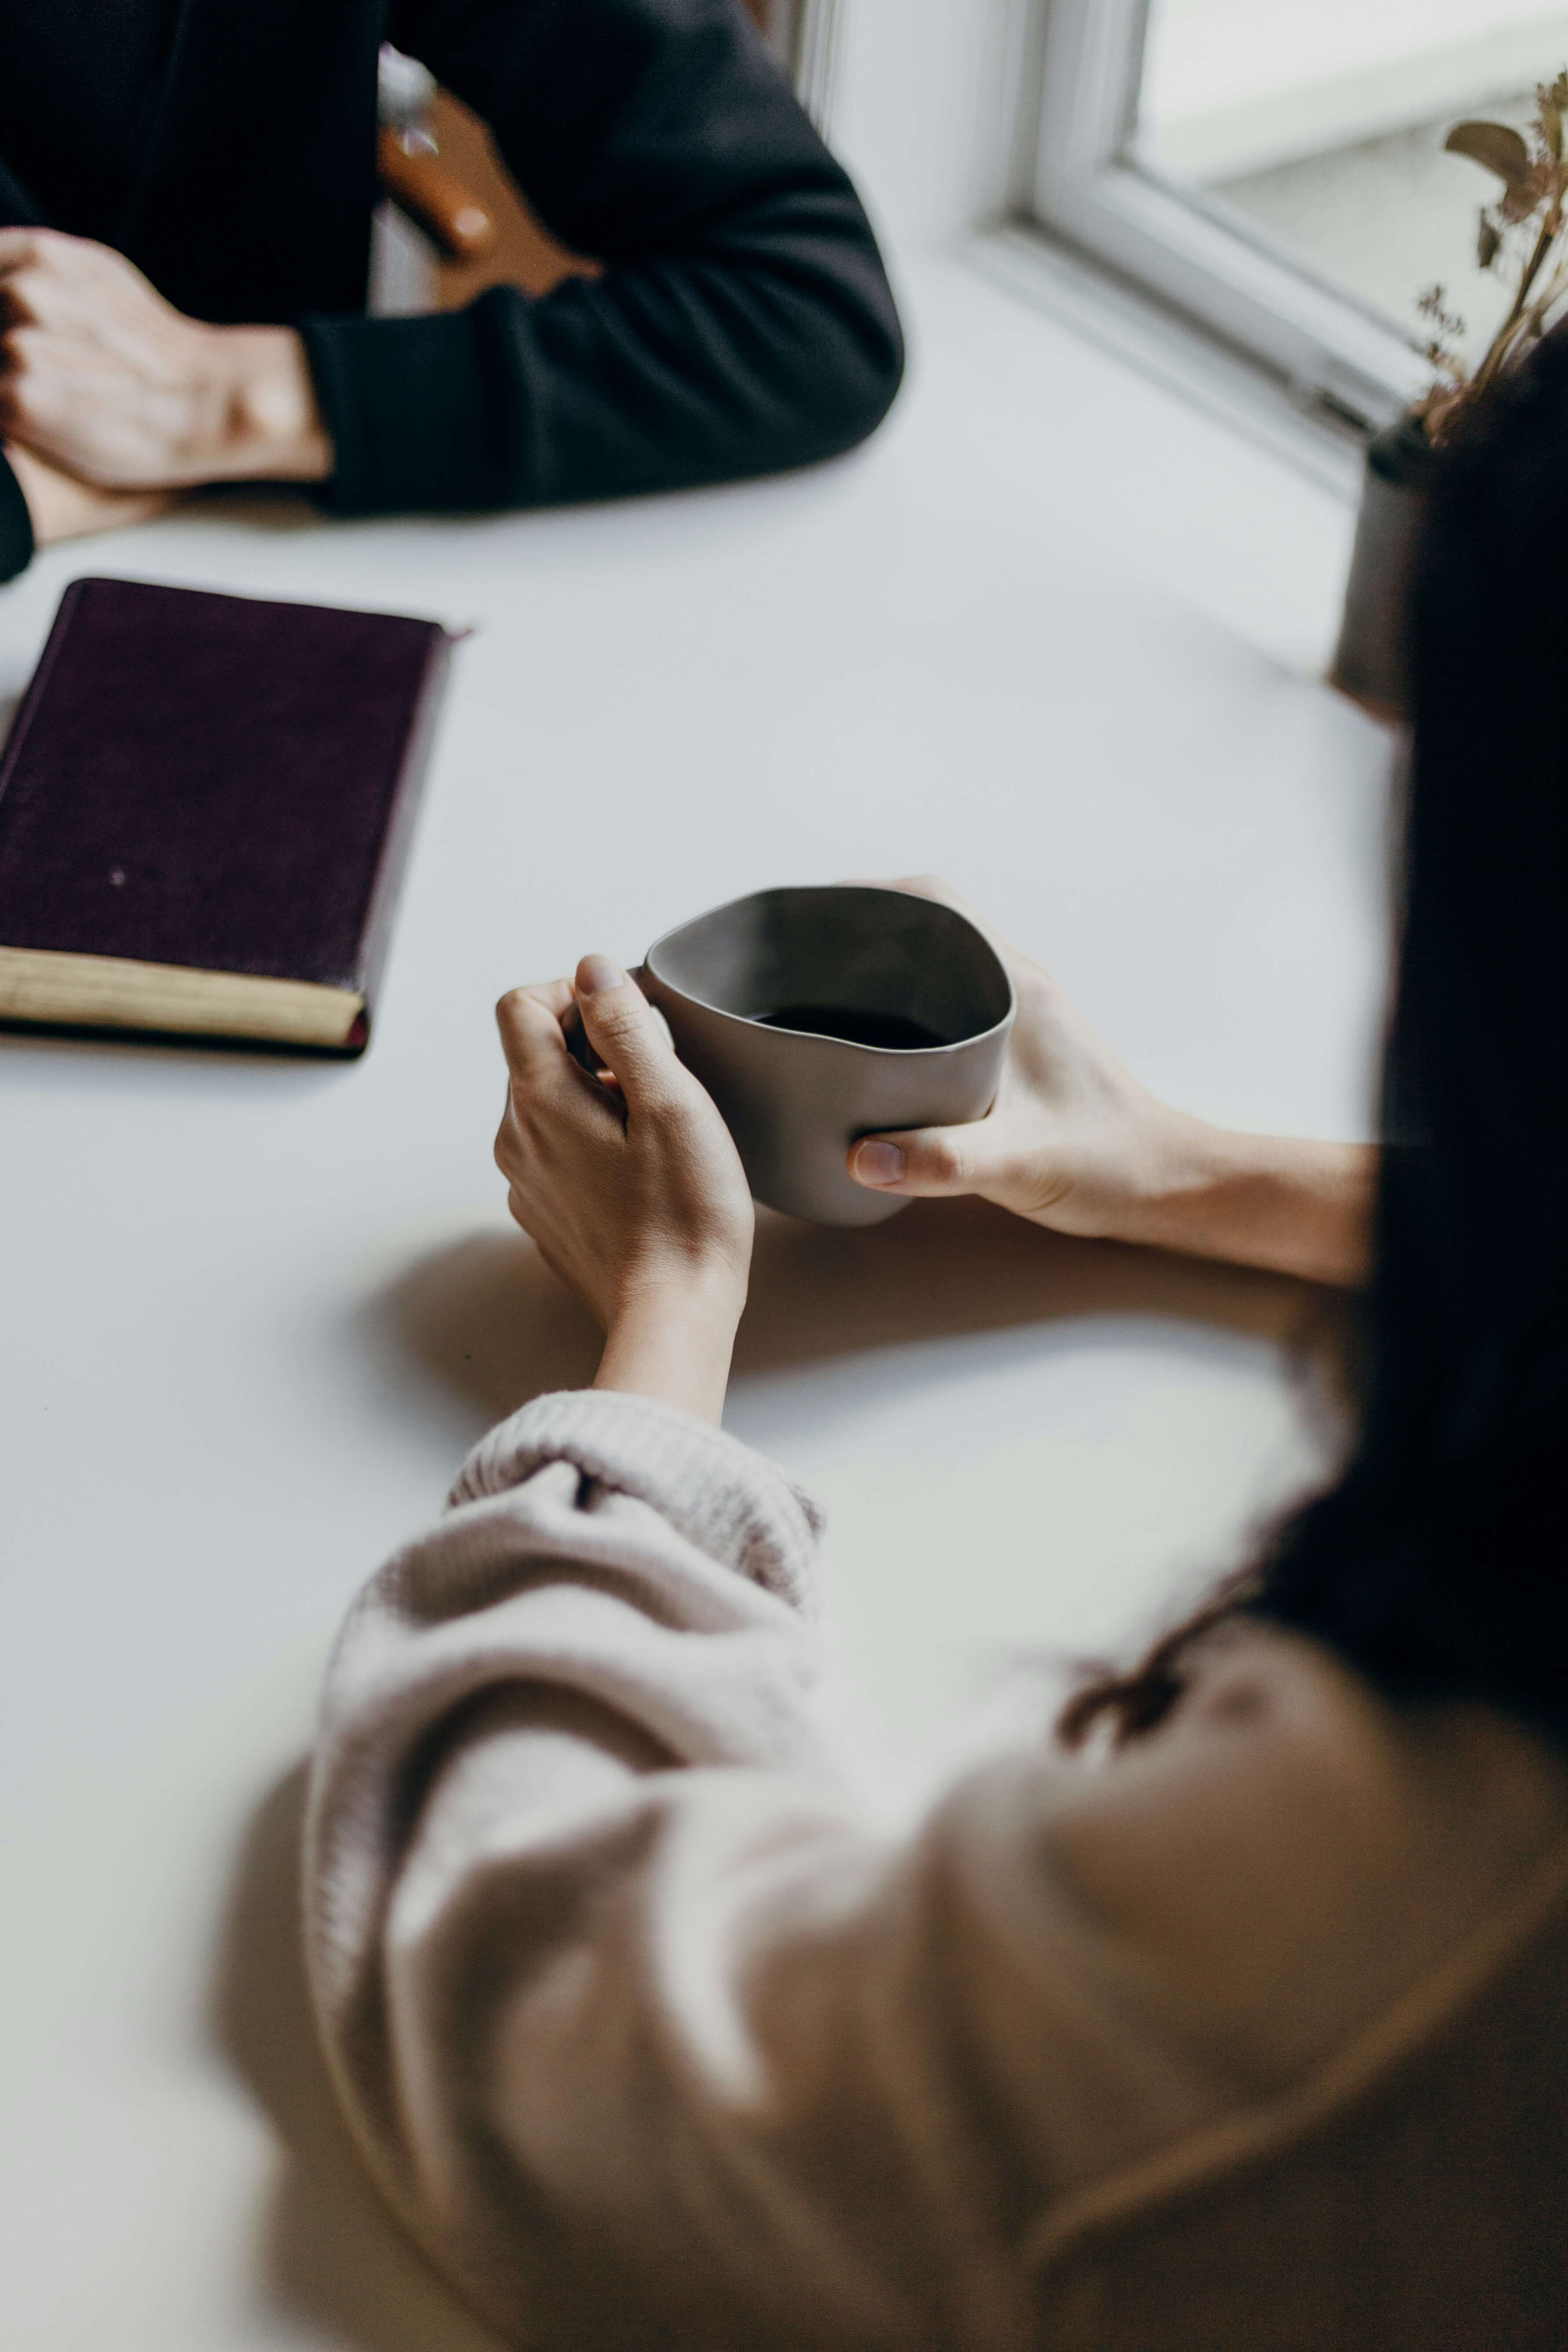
(1052, 635)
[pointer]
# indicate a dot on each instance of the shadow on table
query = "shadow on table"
(282, 510)
(486, 1320)
(330, 2249)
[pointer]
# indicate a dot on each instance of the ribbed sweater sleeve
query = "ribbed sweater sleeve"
(744, 322)
(15, 525)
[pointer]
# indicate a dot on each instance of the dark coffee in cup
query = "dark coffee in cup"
(892, 1030)
(815, 1016)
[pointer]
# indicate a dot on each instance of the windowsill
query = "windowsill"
(1190, 467)
(1172, 352)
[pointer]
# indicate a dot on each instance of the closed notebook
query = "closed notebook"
(205, 803)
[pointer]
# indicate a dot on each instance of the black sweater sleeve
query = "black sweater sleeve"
(15, 525)
(743, 322)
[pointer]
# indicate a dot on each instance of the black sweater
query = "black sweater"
(743, 322)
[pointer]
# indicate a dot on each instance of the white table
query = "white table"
(1051, 634)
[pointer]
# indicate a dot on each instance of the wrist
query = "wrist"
(1285, 1203)
(1185, 1166)
(672, 1336)
(1135, 1182)
(268, 423)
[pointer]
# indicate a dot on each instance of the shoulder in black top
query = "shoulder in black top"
(744, 322)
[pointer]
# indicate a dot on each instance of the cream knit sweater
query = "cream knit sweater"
(1253, 2037)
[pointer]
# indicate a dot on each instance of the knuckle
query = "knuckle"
(26, 363)
(508, 1142)
(668, 1114)
(513, 1020)
(946, 1160)
(617, 1014)
(622, 1043)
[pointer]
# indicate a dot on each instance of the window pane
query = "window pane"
(1323, 124)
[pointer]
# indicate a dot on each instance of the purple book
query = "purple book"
(206, 803)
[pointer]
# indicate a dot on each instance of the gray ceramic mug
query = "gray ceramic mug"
(814, 1016)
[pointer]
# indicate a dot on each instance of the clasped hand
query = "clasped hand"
(110, 399)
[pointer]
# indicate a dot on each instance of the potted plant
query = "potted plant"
(1520, 240)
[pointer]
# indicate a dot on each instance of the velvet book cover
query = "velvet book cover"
(206, 803)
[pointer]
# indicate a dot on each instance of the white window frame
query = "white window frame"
(1193, 254)
(805, 35)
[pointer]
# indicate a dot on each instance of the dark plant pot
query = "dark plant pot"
(1371, 661)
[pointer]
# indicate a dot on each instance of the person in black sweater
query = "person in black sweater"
(186, 190)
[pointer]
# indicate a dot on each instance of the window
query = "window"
(1275, 170)
(805, 34)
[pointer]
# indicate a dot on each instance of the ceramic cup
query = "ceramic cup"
(751, 991)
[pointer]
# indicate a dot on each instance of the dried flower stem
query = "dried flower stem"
(1534, 176)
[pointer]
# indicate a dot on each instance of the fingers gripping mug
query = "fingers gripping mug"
(815, 1016)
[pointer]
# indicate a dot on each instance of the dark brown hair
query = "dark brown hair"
(1438, 1563)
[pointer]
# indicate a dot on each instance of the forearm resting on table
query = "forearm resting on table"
(1278, 1203)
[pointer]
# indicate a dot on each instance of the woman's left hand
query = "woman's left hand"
(1073, 1142)
(633, 1191)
